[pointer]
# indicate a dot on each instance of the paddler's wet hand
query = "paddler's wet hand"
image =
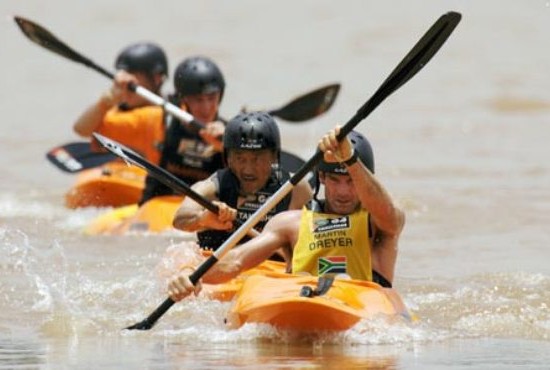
(213, 134)
(180, 286)
(335, 151)
(223, 220)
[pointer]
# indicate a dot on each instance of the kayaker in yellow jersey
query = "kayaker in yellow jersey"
(252, 147)
(119, 111)
(354, 231)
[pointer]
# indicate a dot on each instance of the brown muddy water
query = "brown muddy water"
(463, 147)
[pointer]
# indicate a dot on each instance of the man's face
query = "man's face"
(204, 107)
(340, 195)
(252, 168)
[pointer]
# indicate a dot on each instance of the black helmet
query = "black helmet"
(252, 131)
(198, 75)
(143, 57)
(363, 149)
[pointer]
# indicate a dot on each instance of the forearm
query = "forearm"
(246, 256)
(376, 199)
(92, 117)
(189, 219)
(229, 267)
(190, 213)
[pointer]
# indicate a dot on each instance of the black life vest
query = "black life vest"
(229, 194)
(184, 154)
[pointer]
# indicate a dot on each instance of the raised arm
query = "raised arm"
(90, 120)
(375, 198)
(372, 194)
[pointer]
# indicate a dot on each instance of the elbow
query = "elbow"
(399, 223)
(179, 222)
(395, 224)
(80, 132)
(402, 221)
(186, 222)
(176, 224)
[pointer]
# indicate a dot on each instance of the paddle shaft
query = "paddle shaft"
(413, 62)
(305, 107)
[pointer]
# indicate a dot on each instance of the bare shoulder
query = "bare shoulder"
(301, 194)
(284, 221)
(288, 216)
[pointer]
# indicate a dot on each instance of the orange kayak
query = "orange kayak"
(227, 291)
(113, 184)
(153, 216)
(274, 298)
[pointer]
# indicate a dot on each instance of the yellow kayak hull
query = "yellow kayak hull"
(154, 216)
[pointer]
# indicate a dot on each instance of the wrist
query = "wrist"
(351, 160)
(201, 219)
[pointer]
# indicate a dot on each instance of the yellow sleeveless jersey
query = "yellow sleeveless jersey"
(141, 129)
(333, 244)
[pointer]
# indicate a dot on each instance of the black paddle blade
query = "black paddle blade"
(309, 105)
(426, 47)
(421, 53)
(41, 36)
(142, 325)
(76, 157)
(159, 173)
(413, 62)
(151, 320)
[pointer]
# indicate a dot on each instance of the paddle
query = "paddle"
(304, 107)
(309, 105)
(413, 62)
(78, 156)
(129, 156)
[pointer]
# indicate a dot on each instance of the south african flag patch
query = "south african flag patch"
(332, 265)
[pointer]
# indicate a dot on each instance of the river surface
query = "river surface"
(463, 146)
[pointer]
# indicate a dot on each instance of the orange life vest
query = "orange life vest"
(141, 129)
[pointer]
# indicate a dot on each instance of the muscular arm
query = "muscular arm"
(374, 197)
(387, 220)
(91, 118)
(384, 253)
(280, 232)
(301, 194)
(189, 214)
